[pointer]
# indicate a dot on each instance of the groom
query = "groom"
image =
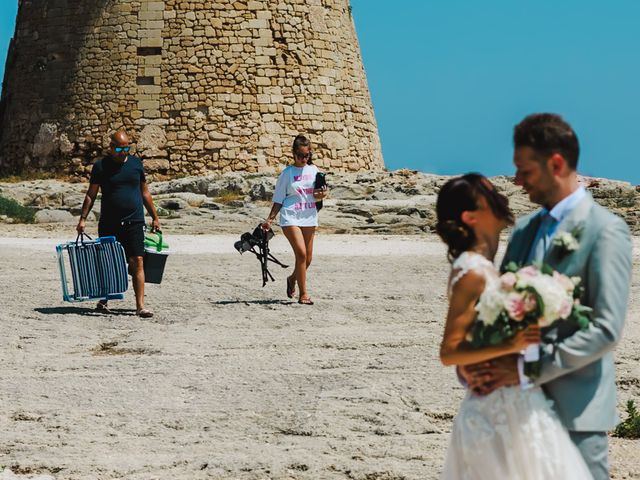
(577, 366)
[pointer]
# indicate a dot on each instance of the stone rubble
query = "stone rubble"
(395, 202)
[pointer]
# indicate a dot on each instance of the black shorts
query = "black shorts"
(130, 235)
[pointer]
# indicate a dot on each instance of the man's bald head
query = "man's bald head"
(120, 138)
(119, 148)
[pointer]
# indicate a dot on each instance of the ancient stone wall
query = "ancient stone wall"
(202, 85)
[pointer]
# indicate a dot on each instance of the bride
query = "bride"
(512, 433)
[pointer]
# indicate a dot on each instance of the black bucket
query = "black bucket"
(154, 263)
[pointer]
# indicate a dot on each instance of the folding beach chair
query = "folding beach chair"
(97, 268)
(259, 239)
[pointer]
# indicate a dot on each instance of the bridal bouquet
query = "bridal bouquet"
(525, 296)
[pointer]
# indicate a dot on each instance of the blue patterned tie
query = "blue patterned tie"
(543, 239)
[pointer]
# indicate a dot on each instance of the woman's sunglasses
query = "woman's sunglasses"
(121, 149)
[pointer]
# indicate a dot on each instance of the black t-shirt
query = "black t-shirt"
(120, 186)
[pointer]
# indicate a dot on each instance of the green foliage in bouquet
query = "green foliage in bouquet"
(504, 327)
(581, 315)
(630, 428)
(512, 267)
(489, 335)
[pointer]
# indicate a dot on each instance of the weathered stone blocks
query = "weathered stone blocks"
(202, 86)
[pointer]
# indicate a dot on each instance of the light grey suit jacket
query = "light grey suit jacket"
(577, 366)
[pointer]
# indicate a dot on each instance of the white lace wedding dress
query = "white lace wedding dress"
(510, 434)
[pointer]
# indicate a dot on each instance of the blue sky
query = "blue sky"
(8, 10)
(450, 78)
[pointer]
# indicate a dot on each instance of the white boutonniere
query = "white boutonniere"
(568, 242)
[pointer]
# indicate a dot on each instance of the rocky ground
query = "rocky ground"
(231, 380)
(398, 202)
(234, 381)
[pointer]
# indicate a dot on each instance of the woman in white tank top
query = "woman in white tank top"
(295, 198)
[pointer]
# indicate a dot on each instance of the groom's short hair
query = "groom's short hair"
(548, 133)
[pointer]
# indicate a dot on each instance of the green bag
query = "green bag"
(153, 240)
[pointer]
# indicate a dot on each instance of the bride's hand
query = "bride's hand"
(524, 338)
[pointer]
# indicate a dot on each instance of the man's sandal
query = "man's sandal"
(103, 308)
(305, 301)
(144, 313)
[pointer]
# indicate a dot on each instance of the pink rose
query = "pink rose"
(530, 303)
(514, 304)
(565, 308)
(528, 272)
(564, 281)
(508, 281)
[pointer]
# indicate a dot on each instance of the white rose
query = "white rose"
(490, 305)
(568, 241)
(508, 281)
(554, 297)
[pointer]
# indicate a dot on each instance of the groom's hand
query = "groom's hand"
(474, 374)
(484, 378)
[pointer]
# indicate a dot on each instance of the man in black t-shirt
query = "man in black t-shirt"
(121, 179)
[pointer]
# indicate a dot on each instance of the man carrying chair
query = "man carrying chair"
(121, 179)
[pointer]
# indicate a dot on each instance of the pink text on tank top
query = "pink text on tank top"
(304, 206)
(298, 178)
(305, 190)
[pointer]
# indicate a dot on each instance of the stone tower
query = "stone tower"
(207, 85)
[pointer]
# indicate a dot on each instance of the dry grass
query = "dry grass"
(228, 196)
(29, 177)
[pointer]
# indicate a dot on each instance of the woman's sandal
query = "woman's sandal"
(291, 289)
(305, 301)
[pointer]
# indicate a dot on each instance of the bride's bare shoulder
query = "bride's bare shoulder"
(470, 268)
(467, 282)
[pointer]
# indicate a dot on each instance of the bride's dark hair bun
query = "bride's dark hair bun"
(458, 236)
(461, 194)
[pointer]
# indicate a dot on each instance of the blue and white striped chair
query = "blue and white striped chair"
(98, 269)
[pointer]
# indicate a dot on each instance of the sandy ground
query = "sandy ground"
(231, 380)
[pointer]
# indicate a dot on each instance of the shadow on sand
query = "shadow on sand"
(253, 302)
(70, 310)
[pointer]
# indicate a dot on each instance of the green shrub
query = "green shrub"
(630, 428)
(163, 212)
(18, 212)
